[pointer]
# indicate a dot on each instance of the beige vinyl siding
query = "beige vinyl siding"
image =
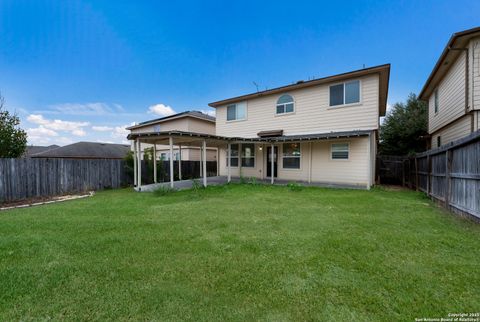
(354, 171)
(179, 125)
(201, 126)
(194, 154)
(454, 131)
(475, 48)
(451, 97)
(312, 113)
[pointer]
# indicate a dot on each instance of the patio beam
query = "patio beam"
(204, 165)
(170, 141)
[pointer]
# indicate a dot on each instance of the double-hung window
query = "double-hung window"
(345, 93)
(233, 158)
(236, 112)
(248, 155)
(291, 156)
(340, 151)
(435, 101)
(285, 104)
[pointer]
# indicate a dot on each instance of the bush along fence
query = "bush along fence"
(449, 174)
(28, 178)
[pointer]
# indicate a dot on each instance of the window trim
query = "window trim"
(229, 157)
(331, 151)
(285, 113)
(236, 120)
(299, 157)
(241, 157)
(360, 93)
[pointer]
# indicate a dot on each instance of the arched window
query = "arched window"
(285, 104)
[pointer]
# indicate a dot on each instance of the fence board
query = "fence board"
(38, 177)
(450, 174)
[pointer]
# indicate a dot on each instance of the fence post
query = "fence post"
(429, 169)
(448, 170)
(403, 173)
(416, 173)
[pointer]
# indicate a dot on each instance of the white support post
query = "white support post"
(201, 161)
(240, 160)
(179, 162)
(204, 163)
(229, 161)
(310, 162)
(170, 141)
(155, 162)
(139, 161)
(272, 168)
(218, 162)
(135, 163)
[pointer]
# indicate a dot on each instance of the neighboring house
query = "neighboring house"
(190, 121)
(34, 149)
(453, 89)
(86, 150)
(324, 130)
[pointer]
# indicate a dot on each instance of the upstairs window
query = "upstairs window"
(248, 155)
(236, 112)
(439, 141)
(345, 93)
(156, 128)
(291, 156)
(340, 151)
(435, 100)
(233, 159)
(285, 104)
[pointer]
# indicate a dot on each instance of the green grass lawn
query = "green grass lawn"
(239, 252)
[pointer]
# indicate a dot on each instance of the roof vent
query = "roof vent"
(300, 81)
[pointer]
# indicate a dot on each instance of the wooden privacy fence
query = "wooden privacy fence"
(449, 174)
(43, 177)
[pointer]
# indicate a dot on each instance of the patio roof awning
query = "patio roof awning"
(215, 140)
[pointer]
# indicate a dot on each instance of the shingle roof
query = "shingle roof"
(87, 150)
(196, 114)
(382, 70)
(34, 149)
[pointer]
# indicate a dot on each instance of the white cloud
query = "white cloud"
(209, 112)
(161, 109)
(86, 108)
(79, 132)
(102, 128)
(41, 131)
(57, 125)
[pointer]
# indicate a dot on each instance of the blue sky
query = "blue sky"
(83, 70)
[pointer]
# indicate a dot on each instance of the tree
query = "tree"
(13, 140)
(404, 130)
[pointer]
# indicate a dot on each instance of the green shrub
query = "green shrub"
(253, 181)
(293, 186)
(196, 185)
(163, 191)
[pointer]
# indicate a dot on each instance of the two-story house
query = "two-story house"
(189, 121)
(319, 131)
(323, 130)
(453, 89)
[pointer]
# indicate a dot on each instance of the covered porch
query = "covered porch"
(265, 158)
